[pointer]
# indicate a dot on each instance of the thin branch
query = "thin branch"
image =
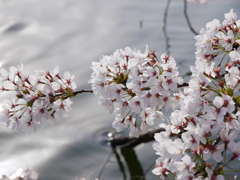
(183, 85)
(104, 165)
(83, 91)
(164, 25)
(131, 142)
(186, 16)
(74, 93)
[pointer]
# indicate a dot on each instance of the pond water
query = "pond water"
(71, 34)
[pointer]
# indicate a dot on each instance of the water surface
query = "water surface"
(71, 34)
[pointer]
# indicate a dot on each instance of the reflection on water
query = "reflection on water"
(72, 34)
(26, 174)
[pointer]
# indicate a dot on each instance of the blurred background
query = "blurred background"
(71, 34)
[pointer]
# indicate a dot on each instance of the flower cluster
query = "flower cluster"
(42, 96)
(136, 85)
(21, 174)
(201, 139)
(220, 39)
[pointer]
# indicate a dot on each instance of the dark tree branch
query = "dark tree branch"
(131, 142)
(83, 91)
(186, 16)
(164, 25)
(182, 85)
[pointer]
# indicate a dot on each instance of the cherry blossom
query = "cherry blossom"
(133, 83)
(40, 97)
(206, 121)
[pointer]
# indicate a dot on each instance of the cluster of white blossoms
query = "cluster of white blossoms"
(219, 39)
(201, 139)
(40, 97)
(21, 174)
(135, 85)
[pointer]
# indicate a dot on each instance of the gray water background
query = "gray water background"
(71, 34)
